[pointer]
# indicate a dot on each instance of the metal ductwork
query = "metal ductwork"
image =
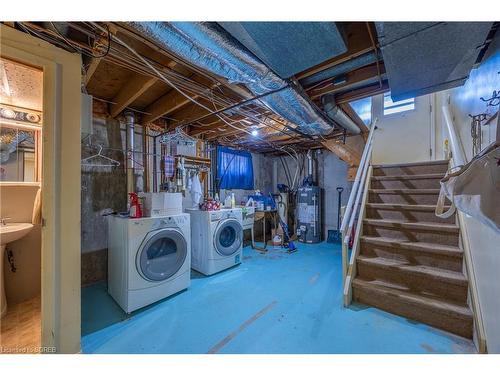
(342, 68)
(130, 155)
(338, 115)
(208, 46)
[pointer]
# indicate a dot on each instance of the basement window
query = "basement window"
(391, 107)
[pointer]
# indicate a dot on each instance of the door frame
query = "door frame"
(61, 186)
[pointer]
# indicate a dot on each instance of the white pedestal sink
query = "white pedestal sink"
(8, 233)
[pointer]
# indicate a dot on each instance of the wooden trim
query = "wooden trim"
(61, 186)
(479, 331)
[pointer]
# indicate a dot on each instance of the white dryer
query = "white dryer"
(148, 259)
(217, 239)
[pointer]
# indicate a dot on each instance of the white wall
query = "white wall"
(403, 137)
(484, 241)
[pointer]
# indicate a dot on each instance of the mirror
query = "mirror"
(21, 104)
(18, 162)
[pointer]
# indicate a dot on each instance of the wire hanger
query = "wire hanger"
(111, 162)
(178, 136)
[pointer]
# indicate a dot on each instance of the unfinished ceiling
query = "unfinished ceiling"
(296, 76)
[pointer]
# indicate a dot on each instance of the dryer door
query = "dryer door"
(161, 255)
(228, 237)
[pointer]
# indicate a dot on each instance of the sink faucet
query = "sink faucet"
(3, 220)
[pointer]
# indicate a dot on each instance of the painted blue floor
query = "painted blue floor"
(272, 303)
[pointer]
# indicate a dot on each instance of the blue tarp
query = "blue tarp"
(235, 169)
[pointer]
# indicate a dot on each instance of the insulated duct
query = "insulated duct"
(338, 115)
(208, 46)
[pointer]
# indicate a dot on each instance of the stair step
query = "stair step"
(398, 300)
(412, 164)
(457, 278)
(404, 196)
(431, 232)
(418, 168)
(399, 206)
(445, 284)
(408, 212)
(420, 181)
(406, 191)
(433, 248)
(409, 177)
(414, 225)
(417, 253)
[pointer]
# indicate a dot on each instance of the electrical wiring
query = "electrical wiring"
(169, 82)
(81, 51)
(180, 83)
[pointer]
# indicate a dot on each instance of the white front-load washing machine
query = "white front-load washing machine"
(216, 239)
(148, 259)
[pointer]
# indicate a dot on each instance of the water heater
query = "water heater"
(309, 200)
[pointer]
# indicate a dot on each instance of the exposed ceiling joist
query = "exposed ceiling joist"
(362, 76)
(358, 43)
(361, 93)
(130, 92)
(94, 64)
(344, 152)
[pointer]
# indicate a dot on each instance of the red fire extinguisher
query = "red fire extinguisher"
(135, 206)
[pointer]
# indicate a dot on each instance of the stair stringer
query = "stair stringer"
(351, 271)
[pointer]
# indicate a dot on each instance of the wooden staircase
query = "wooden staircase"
(409, 261)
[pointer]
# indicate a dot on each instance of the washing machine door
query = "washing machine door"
(228, 237)
(161, 254)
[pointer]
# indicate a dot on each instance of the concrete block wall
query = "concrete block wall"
(103, 189)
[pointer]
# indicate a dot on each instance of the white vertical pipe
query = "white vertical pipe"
(129, 121)
(275, 175)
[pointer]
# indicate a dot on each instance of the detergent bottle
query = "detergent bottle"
(135, 206)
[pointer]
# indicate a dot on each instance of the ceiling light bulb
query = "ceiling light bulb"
(255, 132)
